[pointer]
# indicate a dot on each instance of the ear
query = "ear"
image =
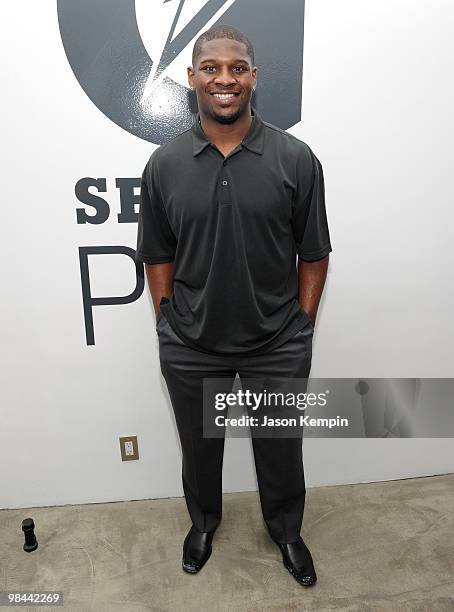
(254, 77)
(191, 77)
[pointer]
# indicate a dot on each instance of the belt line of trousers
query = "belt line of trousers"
(278, 461)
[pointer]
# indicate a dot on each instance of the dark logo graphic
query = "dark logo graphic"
(130, 57)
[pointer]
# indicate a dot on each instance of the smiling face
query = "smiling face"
(224, 79)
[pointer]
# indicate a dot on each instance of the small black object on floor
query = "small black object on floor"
(31, 542)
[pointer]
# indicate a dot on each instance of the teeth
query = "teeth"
(223, 95)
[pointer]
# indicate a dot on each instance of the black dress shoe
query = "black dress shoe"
(196, 550)
(297, 558)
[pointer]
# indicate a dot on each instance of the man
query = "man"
(226, 207)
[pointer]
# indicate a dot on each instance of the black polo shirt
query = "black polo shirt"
(233, 226)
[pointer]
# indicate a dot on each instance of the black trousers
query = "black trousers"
(278, 461)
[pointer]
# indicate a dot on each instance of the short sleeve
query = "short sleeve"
(156, 243)
(309, 221)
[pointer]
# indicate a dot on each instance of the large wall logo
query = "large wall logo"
(130, 57)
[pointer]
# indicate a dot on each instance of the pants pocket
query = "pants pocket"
(161, 322)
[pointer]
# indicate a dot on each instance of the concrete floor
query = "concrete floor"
(376, 546)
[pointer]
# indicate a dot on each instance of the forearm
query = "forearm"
(311, 280)
(160, 282)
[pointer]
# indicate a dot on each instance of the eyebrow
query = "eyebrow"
(236, 61)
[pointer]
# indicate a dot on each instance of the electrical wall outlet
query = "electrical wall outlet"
(129, 448)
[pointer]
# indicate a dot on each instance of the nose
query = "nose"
(224, 77)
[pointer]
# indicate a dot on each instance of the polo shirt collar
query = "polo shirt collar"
(252, 141)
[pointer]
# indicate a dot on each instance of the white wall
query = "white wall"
(377, 97)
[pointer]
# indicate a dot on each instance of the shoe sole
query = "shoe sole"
(196, 571)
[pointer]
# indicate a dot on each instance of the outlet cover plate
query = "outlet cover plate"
(131, 442)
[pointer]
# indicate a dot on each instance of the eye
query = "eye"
(242, 68)
(207, 67)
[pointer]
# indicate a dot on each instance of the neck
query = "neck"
(226, 133)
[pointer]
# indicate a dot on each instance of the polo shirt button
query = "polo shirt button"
(224, 182)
